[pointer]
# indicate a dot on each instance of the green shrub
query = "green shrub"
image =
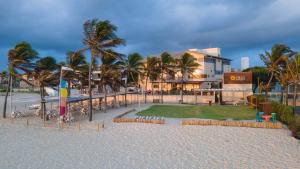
(294, 126)
(2, 90)
(285, 115)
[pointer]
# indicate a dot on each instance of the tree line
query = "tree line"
(282, 65)
(100, 39)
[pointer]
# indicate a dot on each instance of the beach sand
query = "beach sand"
(143, 146)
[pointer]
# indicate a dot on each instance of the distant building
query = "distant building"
(244, 63)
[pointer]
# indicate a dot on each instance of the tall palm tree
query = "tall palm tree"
(99, 38)
(20, 60)
(166, 68)
(75, 60)
(131, 67)
(151, 71)
(274, 60)
(186, 65)
(294, 70)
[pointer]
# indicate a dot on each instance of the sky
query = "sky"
(239, 28)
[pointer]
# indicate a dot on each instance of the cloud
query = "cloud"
(151, 26)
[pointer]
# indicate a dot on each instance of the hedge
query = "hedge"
(285, 115)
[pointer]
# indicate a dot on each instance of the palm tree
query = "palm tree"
(293, 67)
(166, 68)
(186, 65)
(99, 38)
(75, 60)
(283, 79)
(131, 67)
(46, 75)
(110, 75)
(20, 59)
(151, 71)
(274, 60)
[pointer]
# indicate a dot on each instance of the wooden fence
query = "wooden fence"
(270, 125)
(94, 126)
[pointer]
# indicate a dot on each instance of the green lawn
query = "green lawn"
(200, 111)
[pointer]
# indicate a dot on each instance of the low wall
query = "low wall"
(271, 125)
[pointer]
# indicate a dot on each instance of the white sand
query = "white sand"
(143, 146)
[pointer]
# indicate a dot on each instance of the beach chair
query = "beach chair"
(258, 116)
(273, 118)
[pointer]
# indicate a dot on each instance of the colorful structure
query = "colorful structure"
(63, 94)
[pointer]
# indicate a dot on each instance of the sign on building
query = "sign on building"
(238, 78)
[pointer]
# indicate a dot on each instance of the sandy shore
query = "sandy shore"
(139, 146)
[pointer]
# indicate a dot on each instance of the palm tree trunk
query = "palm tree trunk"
(181, 90)
(286, 95)
(125, 93)
(161, 88)
(105, 98)
(281, 94)
(6, 95)
(43, 109)
(146, 89)
(90, 88)
(115, 99)
(295, 95)
(268, 85)
(69, 87)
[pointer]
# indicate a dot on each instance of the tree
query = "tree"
(131, 68)
(46, 74)
(293, 67)
(74, 60)
(99, 38)
(151, 71)
(186, 65)
(110, 75)
(20, 60)
(166, 68)
(258, 74)
(273, 61)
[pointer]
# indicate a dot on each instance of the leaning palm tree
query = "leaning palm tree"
(131, 67)
(99, 38)
(273, 61)
(46, 75)
(151, 71)
(166, 68)
(186, 65)
(20, 59)
(293, 67)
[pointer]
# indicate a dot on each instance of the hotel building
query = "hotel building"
(209, 73)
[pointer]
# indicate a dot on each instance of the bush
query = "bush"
(285, 115)
(2, 90)
(294, 126)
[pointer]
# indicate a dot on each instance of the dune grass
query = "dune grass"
(195, 111)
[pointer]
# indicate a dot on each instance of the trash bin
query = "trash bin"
(209, 102)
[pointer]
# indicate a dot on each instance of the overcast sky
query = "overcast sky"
(239, 28)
